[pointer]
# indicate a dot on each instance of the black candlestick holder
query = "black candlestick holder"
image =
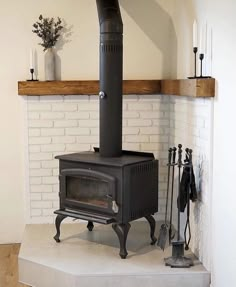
(195, 49)
(32, 75)
(201, 58)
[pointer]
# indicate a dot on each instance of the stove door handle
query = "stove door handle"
(115, 207)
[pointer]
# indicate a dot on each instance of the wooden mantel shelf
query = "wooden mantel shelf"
(188, 87)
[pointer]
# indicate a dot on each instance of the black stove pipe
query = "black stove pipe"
(111, 77)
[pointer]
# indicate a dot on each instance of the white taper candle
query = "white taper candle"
(203, 40)
(195, 34)
(31, 59)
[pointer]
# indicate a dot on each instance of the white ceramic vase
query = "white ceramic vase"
(49, 62)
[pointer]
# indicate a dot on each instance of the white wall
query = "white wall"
(220, 16)
(145, 56)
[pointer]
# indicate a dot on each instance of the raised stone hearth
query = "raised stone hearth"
(88, 259)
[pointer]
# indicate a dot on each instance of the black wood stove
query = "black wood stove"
(109, 185)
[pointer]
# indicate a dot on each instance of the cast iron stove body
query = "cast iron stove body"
(109, 185)
(108, 190)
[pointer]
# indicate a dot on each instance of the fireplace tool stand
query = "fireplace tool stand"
(121, 230)
(178, 260)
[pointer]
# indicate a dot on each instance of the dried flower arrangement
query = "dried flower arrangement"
(48, 30)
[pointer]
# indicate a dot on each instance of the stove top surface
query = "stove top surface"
(127, 158)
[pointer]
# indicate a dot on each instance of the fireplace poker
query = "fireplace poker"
(179, 174)
(164, 227)
(171, 236)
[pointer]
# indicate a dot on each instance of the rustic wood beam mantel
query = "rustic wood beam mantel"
(187, 87)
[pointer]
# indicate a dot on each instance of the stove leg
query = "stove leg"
(152, 224)
(90, 225)
(122, 229)
(58, 221)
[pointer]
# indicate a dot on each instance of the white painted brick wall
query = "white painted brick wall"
(59, 125)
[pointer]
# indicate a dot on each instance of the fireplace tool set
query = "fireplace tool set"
(186, 192)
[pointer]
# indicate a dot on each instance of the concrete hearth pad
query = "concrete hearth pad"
(87, 259)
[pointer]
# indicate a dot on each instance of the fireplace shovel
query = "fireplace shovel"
(163, 235)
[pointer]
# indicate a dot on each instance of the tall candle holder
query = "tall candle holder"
(32, 75)
(195, 49)
(201, 57)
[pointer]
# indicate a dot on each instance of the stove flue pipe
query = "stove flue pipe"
(111, 77)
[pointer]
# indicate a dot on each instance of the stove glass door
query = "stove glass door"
(87, 188)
